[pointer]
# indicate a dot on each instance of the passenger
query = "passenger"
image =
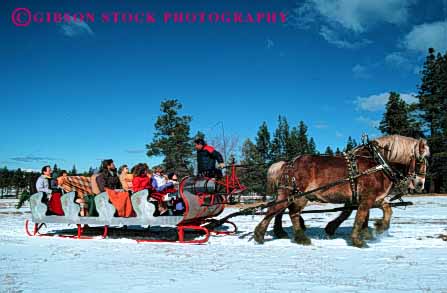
(108, 177)
(94, 183)
(109, 181)
(172, 177)
(51, 197)
(81, 185)
(206, 160)
(161, 187)
(61, 181)
(125, 177)
(177, 203)
(43, 183)
(159, 181)
(140, 179)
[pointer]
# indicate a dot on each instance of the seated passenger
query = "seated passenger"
(177, 204)
(51, 198)
(107, 177)
(159, 181)
(68, 184)
(172, 177)
(140, 179)
(125, 178)
(109, 181)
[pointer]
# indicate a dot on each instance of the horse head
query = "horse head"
(421, 149)
(416, 173)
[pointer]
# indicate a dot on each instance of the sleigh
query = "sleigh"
(203, 200)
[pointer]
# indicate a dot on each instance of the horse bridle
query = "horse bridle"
(417, 166)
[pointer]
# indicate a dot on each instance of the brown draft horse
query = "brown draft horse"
(311, 172)
(399, 151)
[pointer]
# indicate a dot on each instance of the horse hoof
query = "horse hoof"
(358, 242)
(302, 239)
(367, 234)
(258, 238)
(329, 230)
(380, 226)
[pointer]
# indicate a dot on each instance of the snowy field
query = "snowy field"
(410, 257)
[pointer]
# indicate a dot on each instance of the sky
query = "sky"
(78, 91)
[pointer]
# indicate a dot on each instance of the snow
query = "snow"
(409, 257)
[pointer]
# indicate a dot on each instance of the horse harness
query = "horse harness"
(288, 181)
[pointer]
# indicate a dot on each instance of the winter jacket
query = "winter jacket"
(159, 183)
(108, 179)
(43, 185)
(140, 183)
(206, 161)
(126, 181)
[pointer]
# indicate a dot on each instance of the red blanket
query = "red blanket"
(121, 201)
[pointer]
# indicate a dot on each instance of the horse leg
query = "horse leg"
(384, 223)
(362, 213)
(278, 230)
(365, 231)
(261, 228)
(333, 225)
(294, 213)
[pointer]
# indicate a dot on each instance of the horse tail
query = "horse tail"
(274, 175)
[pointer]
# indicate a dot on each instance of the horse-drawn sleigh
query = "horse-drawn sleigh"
(372, 175)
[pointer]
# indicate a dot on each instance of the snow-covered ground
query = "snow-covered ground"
(409, 257)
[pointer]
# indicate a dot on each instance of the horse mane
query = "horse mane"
(401, 149)
(273, 175)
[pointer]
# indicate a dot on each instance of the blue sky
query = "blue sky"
(76, 93)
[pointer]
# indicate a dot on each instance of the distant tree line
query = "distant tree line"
(17, 182)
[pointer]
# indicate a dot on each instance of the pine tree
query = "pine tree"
(432, 110)
(281, 143)
(338, 152)
(303, 142)
(351, 143)
(329, 151)
(395, 118)
(295, 148)
(55, 169)
(171, 139)
(262, 157)
(430, 99)
(312, 148)
(251, 175)
(73, 171)
(263, 144)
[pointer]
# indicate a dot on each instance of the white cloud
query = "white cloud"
(402, 62)
(396, 59)
(360, 72)
(377, 102)
(361, 15)
(341, 22)
(369, 121)
(427, 35)
(76, 28)
(338, 134)
(340, 40)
